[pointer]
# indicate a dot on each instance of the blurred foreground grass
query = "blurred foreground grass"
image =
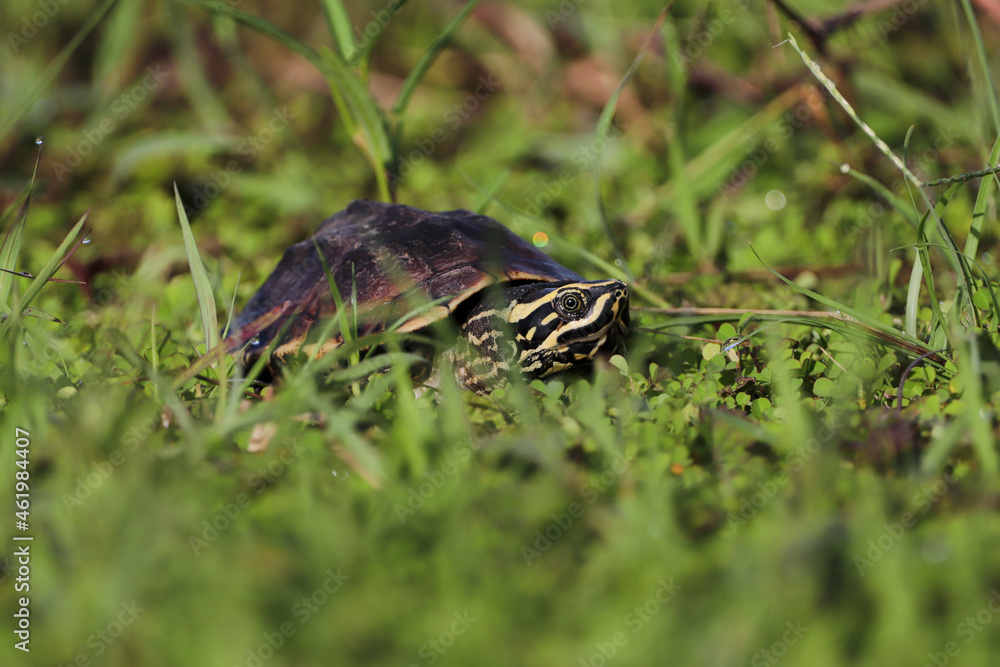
(748, 493)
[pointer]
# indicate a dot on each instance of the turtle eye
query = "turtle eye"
(571, 303)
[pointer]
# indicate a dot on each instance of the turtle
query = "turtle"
(515, 307)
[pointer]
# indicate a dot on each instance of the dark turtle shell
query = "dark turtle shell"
(386, 254)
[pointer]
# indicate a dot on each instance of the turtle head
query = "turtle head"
(560, 326)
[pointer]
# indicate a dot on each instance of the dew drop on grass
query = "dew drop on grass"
(39, 140)
(86, 239)
(845, 168)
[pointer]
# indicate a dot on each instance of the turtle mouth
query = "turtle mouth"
(617, 330)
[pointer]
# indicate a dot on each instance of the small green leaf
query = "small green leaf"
(759, 407)
(824, 387)
(619, 362)
(982, 298)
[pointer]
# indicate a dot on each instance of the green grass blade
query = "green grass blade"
(885, 193)
(684, 199)
(984, 62)
(601, 132)
(52, 71)
(232, 308)
(203, 96)
(262, 26)
(344, 319)
(948, 250)
(952, 245)
(368, 131)
(986, 190)
(370, 40)
(911, 179)
(117, 47)
(967, 265)
(357, 107)
(925, 267)
(341, 27)
(973, 397)
(489, 193)
(428, 58)
(855, 331)
(11, 246)
(163, 390)
(847, 310)
(154, 353)
(912, 306)
(202, 286)
(708, 170)
(55, 261)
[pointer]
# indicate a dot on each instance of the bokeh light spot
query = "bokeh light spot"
(775, 200)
